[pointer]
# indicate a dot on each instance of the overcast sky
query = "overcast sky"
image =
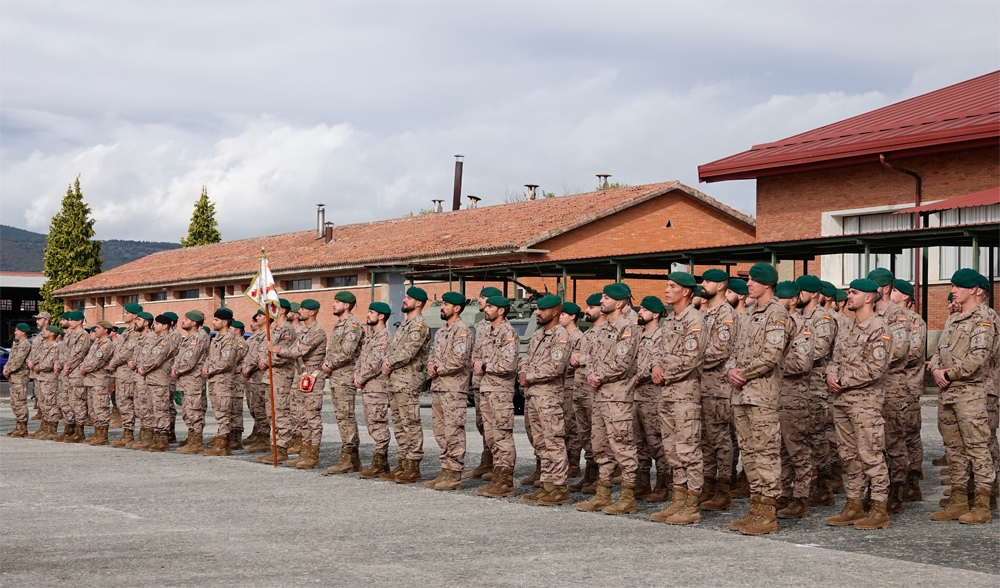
(277, 106)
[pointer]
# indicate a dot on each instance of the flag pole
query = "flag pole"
(270, 378)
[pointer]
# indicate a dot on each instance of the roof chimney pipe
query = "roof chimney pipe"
(320, 219)
(473, 202)
(437, 206)
(602, 183)
(327, 232)
(530, 194)
(456, 197)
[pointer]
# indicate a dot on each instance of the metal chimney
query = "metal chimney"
(437, 206)
(320, 219)
(530, 194)
(456, 198)
(602, 183)
(473, 202)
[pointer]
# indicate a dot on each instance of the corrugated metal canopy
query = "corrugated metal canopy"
(983, 198)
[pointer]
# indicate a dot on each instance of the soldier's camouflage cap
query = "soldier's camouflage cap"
(380, 307)
(498, 301)
(653, 304)
(864, 285)
(786, 289)
(739, 286)
(809, 283)
(490, 291)
(594, 300)
(107, 325)
(965, 278)
(453, 298)
(549, 301)
(881, 276)
(571, 308)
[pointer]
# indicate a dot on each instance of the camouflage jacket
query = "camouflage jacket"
(346, 339)
(719, 338)
(860, 362)
(255, 344)
(965, 348)
(310, 346)
(762, 336)
(96, 364)
(368, 368)
(498, 352)
(157, 358)
(482, 330)
(407, 355)
(17, 362)
(612, 358)
(583, 348)
(48, 354)
(682, 349)
(798, 360)
(451, 357)
(123, 352)
(77, 346)
(221, 358)
(649, 352)
(544, 363)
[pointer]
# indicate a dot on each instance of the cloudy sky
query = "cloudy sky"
(278, 106)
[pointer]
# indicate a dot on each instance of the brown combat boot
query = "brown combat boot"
(878, 518)
(574, 464)
(125, 440)
(797, 508)
(144, 441)
(751, 513)
(588, 483)
(67, 432)
(820, 493)
(379, 466)
(485, 466)
(534, 496)
(911, 490)
(262, 444)
(765, 522)
(37, 416)
(268, 457)
(835, 479)
(410, 474)
(553, 495)
(854, 511)
(390, 476)
(676, 504)
(295, 446)
(236, 440)
(192, 445)
(602, 498)
(741, 488)
(894, 505)
(979, 512)
(20, 430)
(956, 506)
(311, 459)
(450, 480)
(172, 433)
(994, 494)
(41, 431)
(161, 442)
(661, 491)
(642, 485)
(431, 483)
(945, 471)
(349, 462)
(116, 419)
(79, 435)
(722, 499)
(946, 481)
(688, 514)
(219, 448)
(625, 503)
(532, 480)
(708, 490)
(291, 461)
(502, 484)
(100, 436)
(940, 461)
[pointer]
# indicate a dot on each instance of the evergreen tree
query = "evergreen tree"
(71, 254)
(203, 228)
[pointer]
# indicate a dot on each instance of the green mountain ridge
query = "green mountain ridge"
(24, 251)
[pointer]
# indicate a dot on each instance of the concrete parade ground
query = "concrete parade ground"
(76, 515)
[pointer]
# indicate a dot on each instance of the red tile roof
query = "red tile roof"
(462, 234)
(982, 198)
(960, 116)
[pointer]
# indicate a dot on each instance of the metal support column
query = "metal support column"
(461, 285)
(868, 254)
(517, 292)
(923, 283)
(618, 272)
(371, 277)
(565, 285)
(975, 253)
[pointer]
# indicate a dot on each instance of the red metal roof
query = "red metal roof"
(964, 115)
(984, 198)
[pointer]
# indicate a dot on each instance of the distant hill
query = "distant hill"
(24, 251)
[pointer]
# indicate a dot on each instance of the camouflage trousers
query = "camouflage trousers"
(993, 411)
(861, 443)
(100, 400)
(796, 462)
(965, 429)
(716, 441)
(448, 418)
(498, 426)
(236, 403)
(295, 407)
(613, 439)
(545, 421)
(759, 432)
(820, 415)
(897, 458)
(48, 399)
(583, 409)
(344, 395)
(19, 396)
(193, 403)
(476, 395)
(831, 438)
(160, 399)
(311, 411)
(143, 408)
(75, 397)
(62, 398)
(376, 410)
(573, 441)
(125, 399)
(257, 393)
(914, 443)
(221, 396)
(282, 406)
(409, 429)
(649, 438)
(680, 425)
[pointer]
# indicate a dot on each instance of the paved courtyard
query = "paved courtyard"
(74, 515)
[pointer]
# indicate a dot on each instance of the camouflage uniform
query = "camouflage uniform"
(345, 342)
(680, 355)
(793, 412)
(76, 346)
(219, 365)
(583, 397)
(310, 347)
(98, 380)
(123, 351)
(716, 392)
(965, 348)
(239, 386)
(544, 366)
(143, 407)
(993, 384)
(763, 333)
(407, 357)
(62, 386)
(177, 341)
(155, 361)
(482, 329)
(860, 361)
(46, 381)
(281, 377)
(188, 362)
(844, 323)
(896, 392)
(451, 357)
(374, 395)
(823, 327)
(17, 375)
(915, 389)
(646, 420)
(256, 392)
(574, 444)
(498, 352)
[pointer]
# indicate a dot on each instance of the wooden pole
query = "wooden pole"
(270, 377)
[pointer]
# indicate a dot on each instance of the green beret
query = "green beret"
(950, 297)
(764, 273)
(294, 306)
(808, 283)
(121, 330)
(310, 304)
(163, 319)
(284, 303)
(489, 291)
(864, 285)
(195, 315)
(67, 316)
(380, 307)
(653, 304)
(90, 329)
(238, 325)
(984, 282)
(697, 290)
(549, 301)
(171, 315)
(133, 308)
(881, 276)
(840, 295)
(498, 301)
(965, 278)
(54, 329)
(715, 275)
(828, 289)
(594, 300)
(682, 279)
(73, 315)
(617, 291)
(416, 293)
(23, 327)
(453, 298)
(145, 316)
(786, 289)
(739, 286)
(571, 308)
(207, 330)
(224, 314)
(904, 287)
(106, 325)
(345, 296)
(256, 314)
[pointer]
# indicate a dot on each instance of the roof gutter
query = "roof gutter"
(918, 188)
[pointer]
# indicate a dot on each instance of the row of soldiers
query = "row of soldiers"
(638, 392)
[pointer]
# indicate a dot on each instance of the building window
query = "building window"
(156, 296)
(186, 294)
(854, 263)
(6, 304)
(133, 299)
(28, 305)
(342, 281)
(953, 259)
(78, 304)
(299, 284)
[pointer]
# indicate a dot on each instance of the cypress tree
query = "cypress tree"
(203, 228)
(71, 254)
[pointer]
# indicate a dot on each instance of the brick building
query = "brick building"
(850, 177)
